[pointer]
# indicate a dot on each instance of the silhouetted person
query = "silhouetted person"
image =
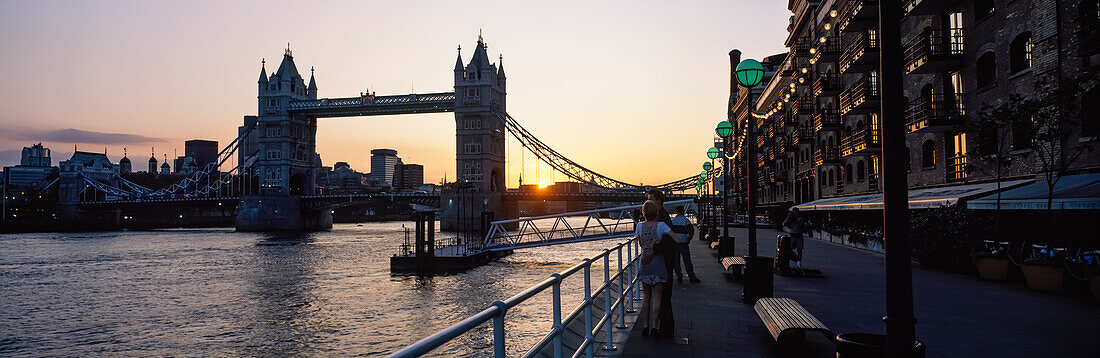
(796, 226)
(654, 271)
(681, 225)
(667, 248)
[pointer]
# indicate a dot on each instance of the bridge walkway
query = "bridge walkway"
(959, 315)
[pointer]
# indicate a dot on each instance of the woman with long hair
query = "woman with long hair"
(654, 270)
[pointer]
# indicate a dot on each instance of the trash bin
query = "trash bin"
(758, 279)
(725, 246)
(783, 254)
(867, 345)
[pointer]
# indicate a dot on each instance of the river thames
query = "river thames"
(216, 292)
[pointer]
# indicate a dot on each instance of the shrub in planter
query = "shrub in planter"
(992, 265)
(947, 238)
(1044, 274)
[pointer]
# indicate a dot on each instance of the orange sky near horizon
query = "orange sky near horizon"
(631, 90)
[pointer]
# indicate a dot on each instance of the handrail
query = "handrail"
(498, 310)
(586, 212)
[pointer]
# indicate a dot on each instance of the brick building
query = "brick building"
(818, 115)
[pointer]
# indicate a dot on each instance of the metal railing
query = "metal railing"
(626, 278)
(599, 224)
(933, 44)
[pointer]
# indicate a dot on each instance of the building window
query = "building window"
(848, 173)
(908, 159)
(860, 169)
(831, 177)
(959, 142)
(1020, 52)
(987, 70)
(1090, 103)
(983, 8)
(928, 154)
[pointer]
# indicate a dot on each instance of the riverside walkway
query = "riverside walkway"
(958, 315)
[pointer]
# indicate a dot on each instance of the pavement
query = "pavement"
(958, 315)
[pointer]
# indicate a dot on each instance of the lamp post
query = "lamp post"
(749, 74)
(900, 323)
(713, 153)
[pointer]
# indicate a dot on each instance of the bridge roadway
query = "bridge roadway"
(321, 201)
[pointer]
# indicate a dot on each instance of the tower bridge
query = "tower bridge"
(274, 180)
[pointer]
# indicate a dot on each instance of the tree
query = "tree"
(994, 128)
(1057, 116)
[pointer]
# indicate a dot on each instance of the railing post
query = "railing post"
(631, 276)
(498, 330)
(620, 290)
(557, 316)
(588, 307)
(637, 269)
(608, 313)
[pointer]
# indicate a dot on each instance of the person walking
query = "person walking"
(796, 226)
(682, 226)
(654, 271)
(666, 247)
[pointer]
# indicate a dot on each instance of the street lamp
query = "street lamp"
(713, 153)
(758, 270)
(724, 129)
(708, 166)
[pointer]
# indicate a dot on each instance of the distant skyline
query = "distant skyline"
(632, 90)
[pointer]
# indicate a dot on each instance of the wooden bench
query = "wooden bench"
(733, 266)
(786, 318)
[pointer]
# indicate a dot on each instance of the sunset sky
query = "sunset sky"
(630, 89)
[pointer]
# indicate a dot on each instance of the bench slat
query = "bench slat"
(782, 314)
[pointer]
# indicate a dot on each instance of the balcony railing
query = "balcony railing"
(937, 111)
(826, 118)
(801, 46)
(802, 134)
(860, 141)
(825, 51)
(803, 105)
(827, 154)
(860, 54)
(828, 84)
(956, 168)
(857, 15)
(860, 97)
(934, 51)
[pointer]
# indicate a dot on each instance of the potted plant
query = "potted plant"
(1045, 272)
(992, 264)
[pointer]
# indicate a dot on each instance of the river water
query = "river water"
(215, 292)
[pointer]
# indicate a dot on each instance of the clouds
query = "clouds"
(72, 135)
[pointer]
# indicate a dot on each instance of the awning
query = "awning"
(918, 198)
(1071, 192)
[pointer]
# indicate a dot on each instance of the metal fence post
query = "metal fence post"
(498, 330)
(557, 316)
(630, 276)
(638, 268)
(609, 314)
(619, 291)
(588, 307)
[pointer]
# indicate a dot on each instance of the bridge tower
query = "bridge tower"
(480, 88)
(287, 164)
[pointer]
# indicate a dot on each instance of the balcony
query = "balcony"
(857, 15)
(826, 155)
(956, 168)
(828, 84)
(862, 97)
(826, 118)
(825, 51)
(803, 105)
(928, 7)
(861, 54)
(938, 112)
(865, 140)
(934, 51)
(802, 135)
(801, 46)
